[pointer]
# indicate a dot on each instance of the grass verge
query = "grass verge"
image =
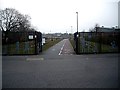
(72, 42)
(49, 43)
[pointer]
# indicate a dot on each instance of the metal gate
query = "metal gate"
(20, 43)
(96, 42)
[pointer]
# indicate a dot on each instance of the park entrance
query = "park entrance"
(96, 42)
(20, 43)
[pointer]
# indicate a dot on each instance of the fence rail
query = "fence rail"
(96, 42)
(20, 43)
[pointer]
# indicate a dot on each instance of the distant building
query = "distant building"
(119, 14)
(105, 29)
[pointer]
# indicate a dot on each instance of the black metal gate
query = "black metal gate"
(96, 42)
(20, 43)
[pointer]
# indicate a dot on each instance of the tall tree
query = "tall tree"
(12, 20)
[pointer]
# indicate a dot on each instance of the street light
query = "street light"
(77, 21)
(77, 35)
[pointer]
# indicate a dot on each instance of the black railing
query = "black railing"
(96, 42)
(20, 43)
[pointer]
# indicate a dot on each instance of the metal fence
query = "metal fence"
(20, 43)
(96, 42)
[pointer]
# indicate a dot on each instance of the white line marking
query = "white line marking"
(62, 48)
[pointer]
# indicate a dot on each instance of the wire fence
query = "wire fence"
(96, 42)
(20, 43)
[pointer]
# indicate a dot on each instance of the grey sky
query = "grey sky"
(59, 15)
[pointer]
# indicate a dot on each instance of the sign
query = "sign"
(43, 41)
(30, 37)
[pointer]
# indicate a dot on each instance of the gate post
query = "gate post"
(77, 35)
(35, 36)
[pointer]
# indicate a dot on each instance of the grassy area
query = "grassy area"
(72, 42)
(49, 43)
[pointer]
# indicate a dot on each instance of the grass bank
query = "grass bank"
(72, 42)
(49, 43)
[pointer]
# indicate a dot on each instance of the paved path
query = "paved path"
(67, 48)
(62, 48)
(61, 71)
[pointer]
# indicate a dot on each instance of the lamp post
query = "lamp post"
(77, 35)
(77, 21)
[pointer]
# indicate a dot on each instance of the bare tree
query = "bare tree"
(12, 20)
(92, 30)
(97, 27)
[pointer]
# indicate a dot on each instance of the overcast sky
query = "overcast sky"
(50, 16)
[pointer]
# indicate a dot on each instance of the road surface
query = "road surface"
(59, 67)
